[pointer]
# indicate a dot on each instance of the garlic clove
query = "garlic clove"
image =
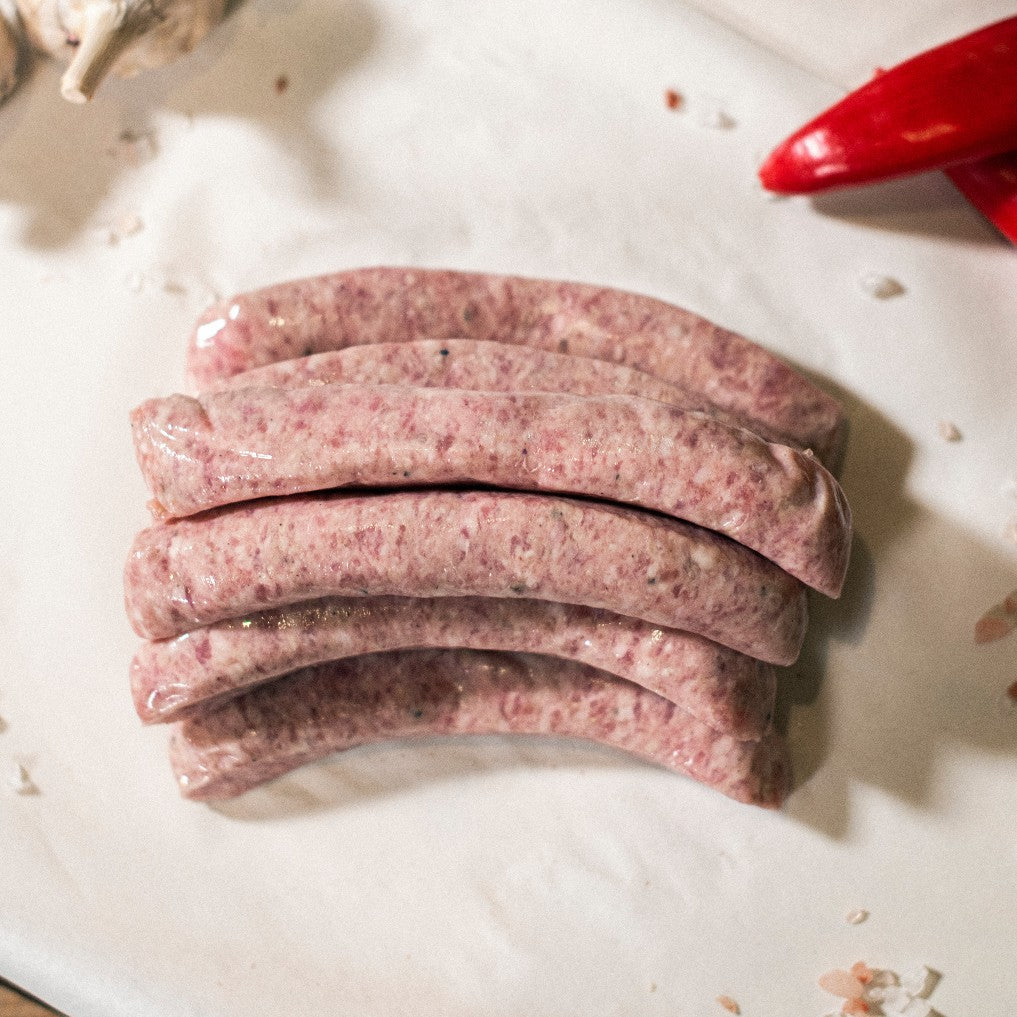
(102, 40)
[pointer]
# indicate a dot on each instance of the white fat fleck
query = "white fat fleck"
(254, 455)
(206, 333)
(704, 557)
(20, 782)
(882, 287)
(733, 522)
(234, 312)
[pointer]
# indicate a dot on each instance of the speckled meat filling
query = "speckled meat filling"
(372, 305)
(479, 367)
(262, 555)
(312, 713)
(257, 442)
(723, 688)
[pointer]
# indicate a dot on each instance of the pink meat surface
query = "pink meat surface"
(262, 555)
(249, 443)
(723, 688)
(373, 305)
(479, 367)
(308, 715)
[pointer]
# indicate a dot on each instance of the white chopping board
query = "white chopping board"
(499, 877)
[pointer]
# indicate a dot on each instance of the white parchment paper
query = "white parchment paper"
(502, 877)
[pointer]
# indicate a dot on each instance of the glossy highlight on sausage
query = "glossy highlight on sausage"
(310, 714)
(262, 555)
(382, 305)
(725, 689)
(250, 443)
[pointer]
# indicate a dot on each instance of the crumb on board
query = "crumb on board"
(949, 431)
(20, 781)
(128, 224)
(856, 917)
(841, 983)
(715, 118)
(729, 1004)
(881, 992)
(854, 1006)
(133, 148)
(281, 84)
(999, 621)
(673, 99)
(882, 287)
(862, 972)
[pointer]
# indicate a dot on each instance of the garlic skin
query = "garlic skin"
(123, 37)
(11, 55)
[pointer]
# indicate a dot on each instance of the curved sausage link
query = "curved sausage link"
(723, 688)
(301, 718)
(233, 446)
(373, 305)
(263, 555)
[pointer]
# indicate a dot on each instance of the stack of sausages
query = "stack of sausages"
(416, 502)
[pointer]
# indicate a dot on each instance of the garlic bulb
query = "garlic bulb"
(10, 53)
(97, 37)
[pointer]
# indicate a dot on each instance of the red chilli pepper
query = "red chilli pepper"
(948, 105)
(991, 186)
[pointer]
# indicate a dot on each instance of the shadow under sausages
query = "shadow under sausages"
(873, 472)
(909, 681)
(266, 63)
(392, 768)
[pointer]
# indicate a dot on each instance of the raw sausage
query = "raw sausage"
(250, 443)
(478, 367)
(294, 720)
(371, 305)
(725, 689)
(261, 555)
